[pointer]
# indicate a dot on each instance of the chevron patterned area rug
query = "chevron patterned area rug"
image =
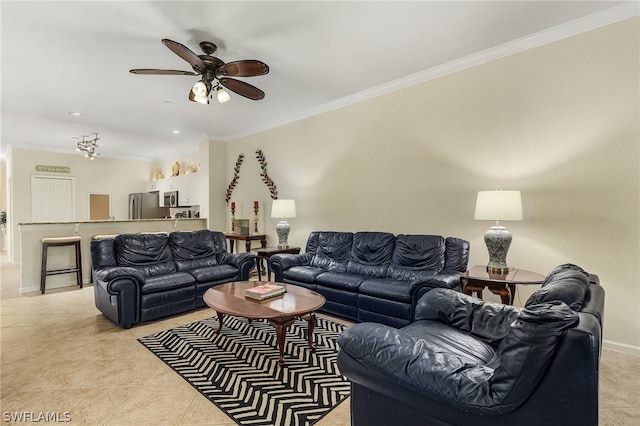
(238, 369)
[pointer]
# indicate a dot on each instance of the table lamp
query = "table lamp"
(283, 209)
(498, 205)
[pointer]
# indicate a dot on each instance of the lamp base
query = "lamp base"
(282, 229)
(498, 239)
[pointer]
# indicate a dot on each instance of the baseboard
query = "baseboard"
(621, 347)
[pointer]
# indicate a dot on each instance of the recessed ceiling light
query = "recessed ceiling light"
(175, 132)
(76, 114)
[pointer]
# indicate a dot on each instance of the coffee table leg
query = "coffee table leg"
(220, 319)
(281, 333)
(311, 323)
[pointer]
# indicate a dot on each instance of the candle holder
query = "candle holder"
(255, 217)
(233, 216)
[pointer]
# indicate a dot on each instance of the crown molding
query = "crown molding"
(587, 23)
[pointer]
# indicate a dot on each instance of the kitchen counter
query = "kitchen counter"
(59, 257)
(112, 221)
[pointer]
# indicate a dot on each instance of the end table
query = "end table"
(247, 240)
(265, 253)
(477, 279)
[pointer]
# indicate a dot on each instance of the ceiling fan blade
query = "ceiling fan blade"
(161, 72)
(242, 88)
(185, 53)
(246, 68)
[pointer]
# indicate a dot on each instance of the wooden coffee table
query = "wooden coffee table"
(280, 311)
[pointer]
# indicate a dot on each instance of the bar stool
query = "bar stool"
(59, 242)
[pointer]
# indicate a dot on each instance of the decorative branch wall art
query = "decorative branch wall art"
(273, 191)
(265, 177)
(236, 176)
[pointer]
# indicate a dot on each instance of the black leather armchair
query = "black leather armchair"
(464, 361)
(142, 277)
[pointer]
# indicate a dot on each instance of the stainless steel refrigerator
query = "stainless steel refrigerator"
(146, 205)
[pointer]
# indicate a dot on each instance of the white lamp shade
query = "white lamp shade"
(283, 209)
(498, 205)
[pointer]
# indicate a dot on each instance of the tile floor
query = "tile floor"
(60, 355)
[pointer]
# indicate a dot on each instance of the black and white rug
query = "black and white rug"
(238, 369)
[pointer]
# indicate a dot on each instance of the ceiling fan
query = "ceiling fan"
(215, 73)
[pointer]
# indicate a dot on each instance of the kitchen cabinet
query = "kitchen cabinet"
(152, 186)
(189, 188)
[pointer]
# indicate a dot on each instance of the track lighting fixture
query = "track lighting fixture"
(88, 144)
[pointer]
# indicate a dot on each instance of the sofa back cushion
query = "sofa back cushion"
(371, 253)
(456, 254)
(195, 249)
(416, 256)
(332, 251)
(527, 350)
(103, 252)
(149, 253)
(567, 283)
(312, 242)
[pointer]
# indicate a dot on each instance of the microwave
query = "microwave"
(171, 199)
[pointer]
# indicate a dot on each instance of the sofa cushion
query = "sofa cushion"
(371, 253)
(214, 273)
(166, 282)
(387, 289)
(457, 254)
(340, 280)
(195, 249)
(149, 253)
(333, 251)
(488, 321)
(306, 274)
(416, 257)
(567, 283)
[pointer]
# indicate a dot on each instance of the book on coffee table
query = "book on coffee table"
(264, 291)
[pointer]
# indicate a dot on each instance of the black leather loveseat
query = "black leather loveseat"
(465, 361)
(374, 276)
(142, 277)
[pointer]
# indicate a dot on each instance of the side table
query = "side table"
(265, 253)
(477, 279)
(247, 240)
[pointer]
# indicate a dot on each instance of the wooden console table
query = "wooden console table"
(247, 240)
(477, 279)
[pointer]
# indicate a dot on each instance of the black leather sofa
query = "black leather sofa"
(464, 361)
(374, 276)
(143, 277)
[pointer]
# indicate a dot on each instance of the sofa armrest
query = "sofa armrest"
(117, 294)
(235, 259)
(243, 261)
(282, 261)
(487, 320)
(109, 273)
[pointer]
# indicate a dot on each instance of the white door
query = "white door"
(52, 199)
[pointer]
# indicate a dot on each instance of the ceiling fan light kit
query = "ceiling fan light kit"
(215, 73)
(223, 95)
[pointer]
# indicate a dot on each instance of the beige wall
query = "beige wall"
(559, 123)
(103, 175)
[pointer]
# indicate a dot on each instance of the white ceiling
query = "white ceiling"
(59, 57)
